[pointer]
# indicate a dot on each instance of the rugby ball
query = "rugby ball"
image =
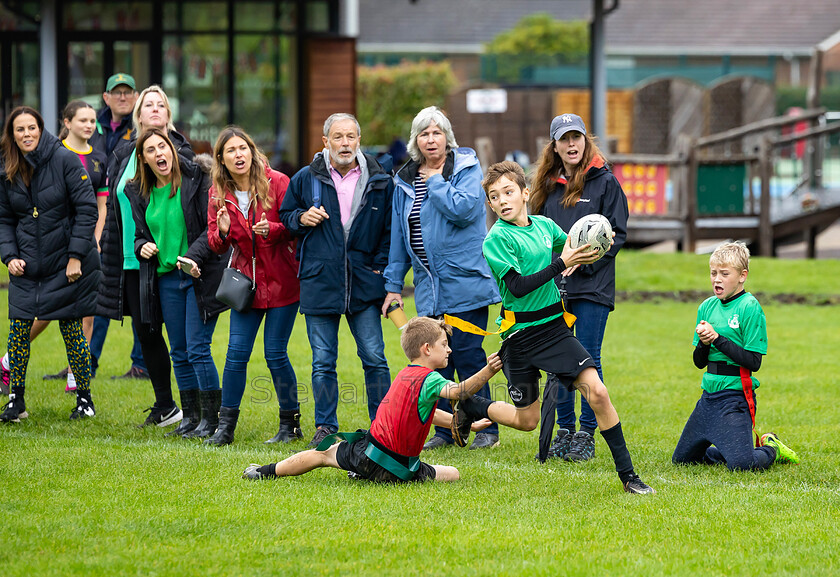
(593, 229)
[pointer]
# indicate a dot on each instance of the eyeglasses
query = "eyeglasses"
(121, 93)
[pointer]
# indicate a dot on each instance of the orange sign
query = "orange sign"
(644, 185)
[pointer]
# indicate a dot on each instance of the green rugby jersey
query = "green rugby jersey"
(742, 322)
(526, 250)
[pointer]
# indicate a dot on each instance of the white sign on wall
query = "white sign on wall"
(487, 100)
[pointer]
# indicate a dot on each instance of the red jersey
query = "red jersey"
(398, 425)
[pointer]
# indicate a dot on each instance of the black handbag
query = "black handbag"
(237, 290)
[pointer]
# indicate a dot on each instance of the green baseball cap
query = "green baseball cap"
(118, 79)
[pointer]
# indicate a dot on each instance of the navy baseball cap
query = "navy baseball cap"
(564, 123)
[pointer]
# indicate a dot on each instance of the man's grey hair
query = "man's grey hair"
(421, 122)
(340, 116)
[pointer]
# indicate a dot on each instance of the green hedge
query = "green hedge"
(787, 96)
(388, 98)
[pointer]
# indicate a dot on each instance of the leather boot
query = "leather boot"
(289, 427)
(210, 401)
(192, 413)
(227, 424)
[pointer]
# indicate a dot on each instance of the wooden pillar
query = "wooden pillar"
(689, 200)
(765, 225)
(810, 234)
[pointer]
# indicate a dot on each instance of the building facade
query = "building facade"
(275, 67)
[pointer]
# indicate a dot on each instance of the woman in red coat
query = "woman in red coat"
(245, 198)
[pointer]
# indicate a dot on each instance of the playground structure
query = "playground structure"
(770, 182)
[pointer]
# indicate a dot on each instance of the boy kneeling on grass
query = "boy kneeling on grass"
(730, 339)
(519, 249)
(389, 451)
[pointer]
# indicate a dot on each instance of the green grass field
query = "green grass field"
(101, 497)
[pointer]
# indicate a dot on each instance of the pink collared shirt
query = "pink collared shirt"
(345, 187)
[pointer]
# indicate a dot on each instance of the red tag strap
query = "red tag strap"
(746, 384)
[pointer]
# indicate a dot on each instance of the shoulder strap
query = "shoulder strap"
(254, 246)
(316, 191)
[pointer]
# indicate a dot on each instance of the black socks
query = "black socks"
(268, 470)
(476, 407)
(615, 441)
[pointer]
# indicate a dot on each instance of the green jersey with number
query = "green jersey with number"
(742, 322)
(526, 250)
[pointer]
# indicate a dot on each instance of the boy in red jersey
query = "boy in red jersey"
(389, 451)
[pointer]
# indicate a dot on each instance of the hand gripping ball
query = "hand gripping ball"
(593, 229)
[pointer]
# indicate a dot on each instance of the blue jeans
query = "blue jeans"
(97, 343)
(722, 419)
(467, 358)
(189, 336)
(243, 332)
(589, 330)
(322, 331)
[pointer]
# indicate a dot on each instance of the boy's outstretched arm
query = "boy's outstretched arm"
(466, 389)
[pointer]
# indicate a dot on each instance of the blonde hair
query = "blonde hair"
(420, 331)
(735, 254)
(135, 116)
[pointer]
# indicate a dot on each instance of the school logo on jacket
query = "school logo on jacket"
(97, 166)
(733, 322)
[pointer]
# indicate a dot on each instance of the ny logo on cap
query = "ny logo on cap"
(566, 118)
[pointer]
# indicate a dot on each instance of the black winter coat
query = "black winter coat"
(46, 224)
(195, 186)
(110, 303)
(602, 194)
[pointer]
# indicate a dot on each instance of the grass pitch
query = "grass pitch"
(100, 497)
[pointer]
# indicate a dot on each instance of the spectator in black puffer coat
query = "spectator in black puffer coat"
(47, 218)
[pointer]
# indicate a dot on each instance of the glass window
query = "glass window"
(26, 77)
(205, 16)
(256, 16)
(10, 21)
(107, 15)
(85, 71)
(195, 78)
(318, 16)
(265, 95)
(133, 58)
(253, 16)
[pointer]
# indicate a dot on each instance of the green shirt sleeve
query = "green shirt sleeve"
(430, 393)
(559, 237)
(755, 329)
(500, 256)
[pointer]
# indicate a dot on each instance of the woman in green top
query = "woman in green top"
(179, 273)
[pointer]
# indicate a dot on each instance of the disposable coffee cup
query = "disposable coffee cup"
(396, 314)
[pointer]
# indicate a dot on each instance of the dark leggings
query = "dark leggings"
(719, 431)
(78, 353)
(155, 352)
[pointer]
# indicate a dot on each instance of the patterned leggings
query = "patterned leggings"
(78, 353)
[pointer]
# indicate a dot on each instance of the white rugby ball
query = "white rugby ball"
(593, 229)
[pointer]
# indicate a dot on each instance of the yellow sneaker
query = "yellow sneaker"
(784, 454)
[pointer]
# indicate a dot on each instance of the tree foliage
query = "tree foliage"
(541, 35)
(388, 98)
(537, 40)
